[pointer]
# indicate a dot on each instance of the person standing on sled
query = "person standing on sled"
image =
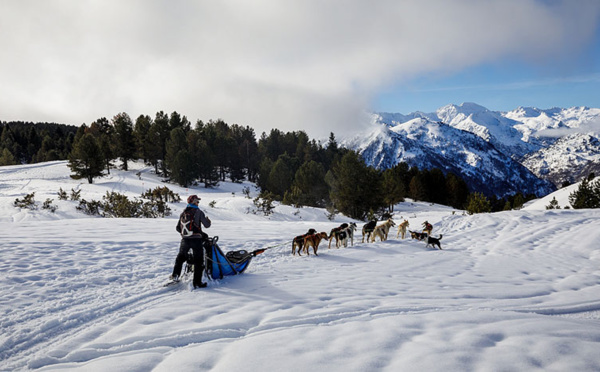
(192, 238)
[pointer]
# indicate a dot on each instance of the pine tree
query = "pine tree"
(553, 204)
(458, 191)
(518, 201)
(159, 134)
(140, 133)
(86, 159)
(281, 176)
(309, 187)
(393, 188)
(355, 188)
(7, 158)
(179, 160)
(587, 195)
(123, 137)
(478, 203)
(416, 188)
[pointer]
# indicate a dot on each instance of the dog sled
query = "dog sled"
(220, 264)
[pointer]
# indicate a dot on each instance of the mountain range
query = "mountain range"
(498, 153)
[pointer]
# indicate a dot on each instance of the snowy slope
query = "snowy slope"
(517, 290)
(569, 159)
(425, 144)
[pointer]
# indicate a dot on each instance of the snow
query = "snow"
(515, 291)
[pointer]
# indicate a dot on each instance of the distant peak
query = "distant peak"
(472, 107)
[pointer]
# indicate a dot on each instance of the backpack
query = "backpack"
(185, 225)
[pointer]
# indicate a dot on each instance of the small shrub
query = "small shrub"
(246, 192)
(264, 203)
(163, 194)
(154, 209)
(91, 208)
(28, 202)
(212, 203)
(119, 206)
(62, 194)
(48, 205)
(553, 204)
(75, 194)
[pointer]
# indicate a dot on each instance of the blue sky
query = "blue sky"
(504, 85)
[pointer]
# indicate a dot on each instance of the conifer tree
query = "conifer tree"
(587, 195)
(553, 204)
(179, 160)
(416, 188)
(281, 176)
(159, 134)
(478, 203)
(86, 159)
(458, 191)
(123, 138)
(141, 130)
(355, 188)
(392, 188)
(309, 187)
(7, 158)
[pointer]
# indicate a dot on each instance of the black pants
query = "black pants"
(197, 247)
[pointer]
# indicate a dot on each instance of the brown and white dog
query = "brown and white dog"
(402, 227)
(382, 230)
(337, 233)
(298, 242)
(313, 240)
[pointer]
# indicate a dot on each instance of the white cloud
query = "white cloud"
(311, 65)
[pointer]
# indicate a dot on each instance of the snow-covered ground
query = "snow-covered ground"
(511, 291)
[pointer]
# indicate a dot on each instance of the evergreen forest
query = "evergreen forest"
(288, 167)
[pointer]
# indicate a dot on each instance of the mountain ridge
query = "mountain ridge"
(524, 150)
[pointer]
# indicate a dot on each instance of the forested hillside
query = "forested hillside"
(287, 166)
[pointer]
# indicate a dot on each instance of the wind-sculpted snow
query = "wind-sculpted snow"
(517, 290)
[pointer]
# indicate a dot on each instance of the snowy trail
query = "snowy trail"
(107, 285)
(518, 289)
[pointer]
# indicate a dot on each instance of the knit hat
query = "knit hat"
(192, 198)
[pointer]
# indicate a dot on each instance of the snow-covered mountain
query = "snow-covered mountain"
(527, 149)
(571, 158)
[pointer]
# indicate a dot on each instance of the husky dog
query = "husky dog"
(433, 242)
(298, 242)
(382, 230)
(402, 228)
(313, 241)
(368, 230)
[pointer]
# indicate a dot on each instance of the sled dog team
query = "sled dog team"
(371, 230)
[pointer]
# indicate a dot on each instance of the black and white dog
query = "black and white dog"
(433, 242)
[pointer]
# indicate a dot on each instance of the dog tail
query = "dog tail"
(440, 238)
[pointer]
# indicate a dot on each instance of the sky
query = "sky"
(509, 291)
(311, 65)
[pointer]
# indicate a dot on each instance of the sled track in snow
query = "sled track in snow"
(77, 301)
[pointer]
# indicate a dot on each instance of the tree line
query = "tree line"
(286, 166)
(26, 142)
